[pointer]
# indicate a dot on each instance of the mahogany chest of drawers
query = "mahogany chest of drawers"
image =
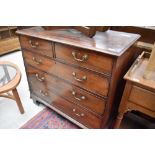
(75, 75)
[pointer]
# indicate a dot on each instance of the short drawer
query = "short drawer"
(85, 58)
(143, 97)
(85, 79)
(68, 91)
(74, 111)
(36, 45)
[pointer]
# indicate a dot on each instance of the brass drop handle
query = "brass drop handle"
(84, 78)
(34, 45)
(77, 114)
(84, 57)
(37, 61)
(41, 79)
(43, 93)
(79, 99)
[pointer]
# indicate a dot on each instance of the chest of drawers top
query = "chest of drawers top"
(109, 42)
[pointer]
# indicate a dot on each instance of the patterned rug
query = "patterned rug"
(48, 119)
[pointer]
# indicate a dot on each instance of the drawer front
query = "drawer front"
(74, 111)
(68, 91)
(85, 79)
(36, 45)
(142, 97)
(39, 61)
(79, 114)
(84, 58)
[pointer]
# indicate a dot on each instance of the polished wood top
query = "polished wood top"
(136, 72)
(110, 42)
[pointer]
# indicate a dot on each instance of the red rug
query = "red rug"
(48, 119)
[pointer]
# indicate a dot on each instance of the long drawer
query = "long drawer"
(68, 91)
(85, 79)
(84, 58)
(37, 45)
(143, 97)
(78, 113)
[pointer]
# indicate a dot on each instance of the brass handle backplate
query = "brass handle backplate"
(39, 78)
(43, 93)
(34, 45)
(37, 61)
(78, 98)
(84, 57)
(84, 78)
(78, 114)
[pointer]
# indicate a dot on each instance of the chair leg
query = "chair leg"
(18, 101)
(118, 120)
